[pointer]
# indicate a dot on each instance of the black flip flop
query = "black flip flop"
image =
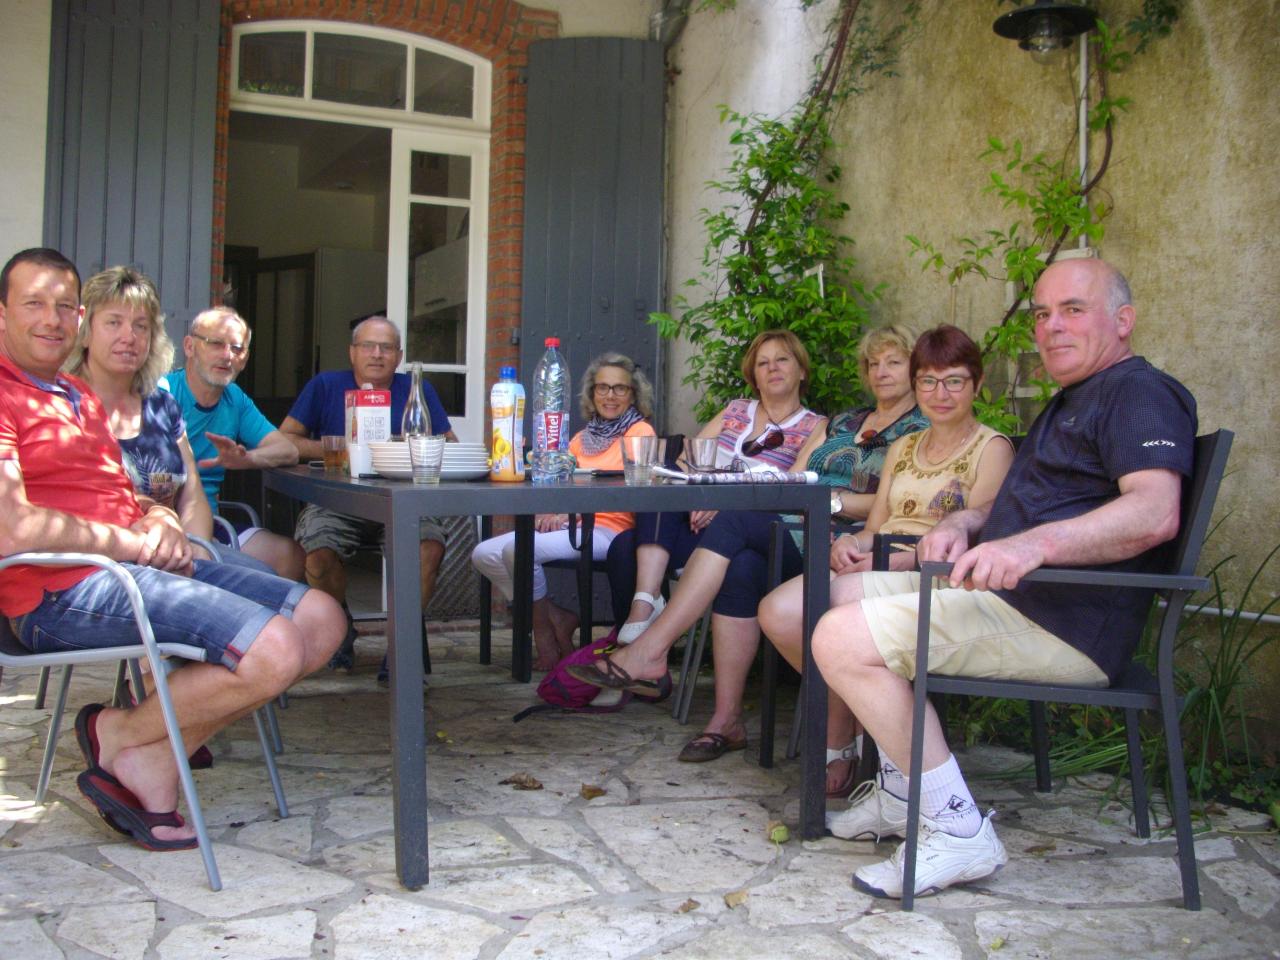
(613, 678)
(115, 804)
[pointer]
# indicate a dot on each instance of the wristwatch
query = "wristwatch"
(836, 503)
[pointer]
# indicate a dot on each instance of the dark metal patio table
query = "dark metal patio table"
(399, 504)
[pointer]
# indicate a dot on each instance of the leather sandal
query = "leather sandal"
(613, 677)
(709, 746)
(848, 752)
(122, 812)
(630, 632)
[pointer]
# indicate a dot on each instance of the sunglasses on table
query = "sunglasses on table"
(769, 439)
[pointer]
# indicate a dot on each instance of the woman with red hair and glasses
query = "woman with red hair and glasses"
(955, 464)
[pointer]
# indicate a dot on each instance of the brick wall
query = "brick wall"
(498, 30)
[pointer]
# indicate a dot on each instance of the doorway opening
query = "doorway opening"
(357, 183)
(307, 213)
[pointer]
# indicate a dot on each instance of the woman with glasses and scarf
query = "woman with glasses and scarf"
(616, 401)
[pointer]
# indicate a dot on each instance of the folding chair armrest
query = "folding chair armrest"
(250, 513)
(210, 547)
(229, 531)
(134, 595)
(1084, 575)
(882, 547)
(840, 527)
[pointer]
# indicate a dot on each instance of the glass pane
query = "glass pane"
(262, 355)
(440, 175)
(452, 390)
(291, 360)
(438, 266)
(273, 63)
(358, 70)
(441, 85)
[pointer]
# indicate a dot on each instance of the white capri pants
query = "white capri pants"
(495, 558)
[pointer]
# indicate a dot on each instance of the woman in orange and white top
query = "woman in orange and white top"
(616, 401)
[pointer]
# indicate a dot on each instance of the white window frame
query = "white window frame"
(469, 425)
(308, 106)
(410, 131)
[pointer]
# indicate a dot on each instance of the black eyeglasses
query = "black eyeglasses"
(617, 389)
(235, 348)
(769, 439)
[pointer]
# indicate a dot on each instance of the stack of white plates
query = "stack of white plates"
(464, 461)
(391, 459)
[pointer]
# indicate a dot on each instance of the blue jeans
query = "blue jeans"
(742, 536)
(221, 608)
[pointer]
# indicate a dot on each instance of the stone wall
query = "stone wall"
(1192, 180)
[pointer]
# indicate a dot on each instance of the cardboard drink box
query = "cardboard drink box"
(368, 420)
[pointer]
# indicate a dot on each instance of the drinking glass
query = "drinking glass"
(426, 455)
(700, 453)
(639, 454)
(335, 453)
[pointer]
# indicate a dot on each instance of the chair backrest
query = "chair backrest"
(1199, 493)
(670, 446)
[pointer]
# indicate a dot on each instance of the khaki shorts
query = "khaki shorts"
(319, 527)
(972, 633)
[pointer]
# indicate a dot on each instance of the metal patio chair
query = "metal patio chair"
(14, 654)
(1138, 689)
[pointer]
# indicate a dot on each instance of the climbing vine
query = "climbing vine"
(775, 253)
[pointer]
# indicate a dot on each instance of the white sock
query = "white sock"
(945, 799)
(891, 778)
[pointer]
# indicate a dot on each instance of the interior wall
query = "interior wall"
(1196, 199)
(266, 209)
(24, 78)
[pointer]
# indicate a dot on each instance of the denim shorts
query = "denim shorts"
(220, 607)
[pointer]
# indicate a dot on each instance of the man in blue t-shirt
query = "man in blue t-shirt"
(1096, 483)
(225, 427)
(330, 538)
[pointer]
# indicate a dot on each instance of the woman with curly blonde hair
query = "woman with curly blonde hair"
(616, 401)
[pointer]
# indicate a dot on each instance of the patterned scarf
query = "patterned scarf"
(600, 433)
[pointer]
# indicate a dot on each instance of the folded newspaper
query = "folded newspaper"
(747, 476)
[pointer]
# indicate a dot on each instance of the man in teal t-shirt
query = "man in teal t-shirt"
(226, 429)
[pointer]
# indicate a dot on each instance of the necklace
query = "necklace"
(933, 460)
(883, 419)
(770, 418)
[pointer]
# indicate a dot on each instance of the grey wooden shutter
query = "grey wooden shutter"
(129, 174)
(592, 266)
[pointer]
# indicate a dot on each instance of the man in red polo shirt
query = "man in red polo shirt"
(64, 489)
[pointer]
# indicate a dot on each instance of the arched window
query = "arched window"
(337, 67)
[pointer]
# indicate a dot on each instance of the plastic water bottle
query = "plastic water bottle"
(416, 421)
(551, 462)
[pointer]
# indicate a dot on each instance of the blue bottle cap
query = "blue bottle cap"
(507, 373)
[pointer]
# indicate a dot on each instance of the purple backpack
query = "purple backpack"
(561, 690)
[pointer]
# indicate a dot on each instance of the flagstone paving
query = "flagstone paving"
(670, 860)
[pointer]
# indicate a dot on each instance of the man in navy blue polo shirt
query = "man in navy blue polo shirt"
(1096, 483)
(328, 537)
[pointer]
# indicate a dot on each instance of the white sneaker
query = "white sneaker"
(873, 813)
(941, 860)
(630, 632)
